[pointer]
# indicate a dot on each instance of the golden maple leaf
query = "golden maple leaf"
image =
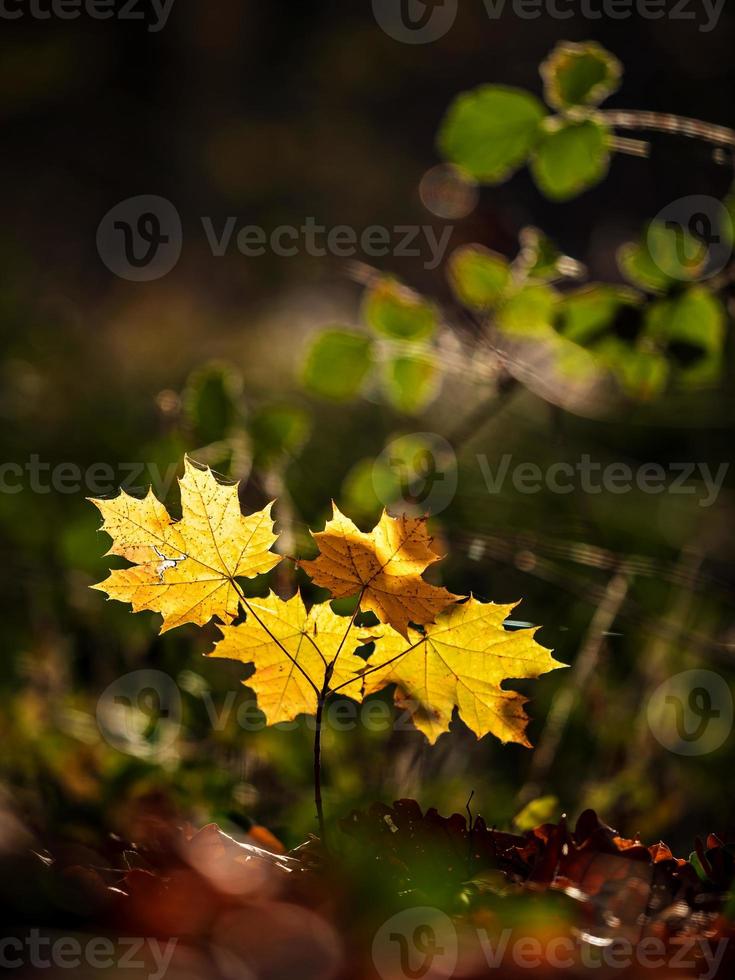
(461, 662)
(385, 566)
(291, 650)
(186, 569)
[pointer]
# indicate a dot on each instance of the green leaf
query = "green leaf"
(642, 374)
(574, 363)
(277, 430)
(490, 131)
(540, 259)
(368, 487)
(701, 372)
(580, 75)
(723, 860)
(538, 811)
(570, 158)
(697, 865)
(692, 329)
(478, 276)
(337, 364)
(666, 255)
(411, 382)
(212, 401)
(395, 311)
(588, 312)
(529, 312)
(696, 317)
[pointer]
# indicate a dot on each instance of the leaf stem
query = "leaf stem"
(372, 669)
(351, 623)
(321, 700)
(321, 696)
(318, 769)
(275, 639)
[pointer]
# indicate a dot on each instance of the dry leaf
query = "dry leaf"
(185, 569)
(385, 565)
(290, 647)
(461, 662)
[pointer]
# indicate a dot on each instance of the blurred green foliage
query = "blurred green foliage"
(131, 384)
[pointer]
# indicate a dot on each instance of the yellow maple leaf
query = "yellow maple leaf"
(291, 650)
(460, 661)
(385, 566)
(186, 569)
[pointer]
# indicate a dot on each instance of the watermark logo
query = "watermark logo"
(415, 21)
(424, 470)
(154, 13)
(692, 713)
(140, 714)
(704, 239)
(148, 957)
(423, 943)
(141, 238)
(415, 944)
(96, 479)
(425, 21)
(587, 476)
(319, 241)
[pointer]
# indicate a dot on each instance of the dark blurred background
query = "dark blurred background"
(274, 113)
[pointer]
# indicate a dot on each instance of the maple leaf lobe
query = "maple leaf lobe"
(461, 662)
(276, 638)
(185, 569)
(385, 566)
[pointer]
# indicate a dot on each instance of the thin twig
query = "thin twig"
(470, 833)
(371, 670)
(318, 771)
(321, 701)
(561, 707)
(664, 122)
(275, 639)
(351, 623)
(634, 148)
(471, 426)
